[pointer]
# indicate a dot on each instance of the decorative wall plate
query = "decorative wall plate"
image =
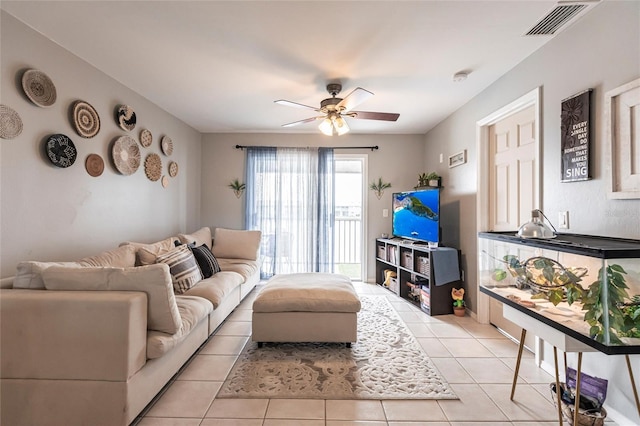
(39, 88)
(61, 150)
(166, 145)
(165, 181)
(94, 165)
(10, 123)
(126, 117)
(153, 167)
(173, 169)
(126, 155)
(85, 119)
(146, 138)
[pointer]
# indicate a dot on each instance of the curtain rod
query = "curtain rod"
(372, 148)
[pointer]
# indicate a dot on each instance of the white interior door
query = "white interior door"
(513, 173)
(513, 170)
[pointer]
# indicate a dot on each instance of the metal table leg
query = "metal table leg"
(633, 384)
(576, 404)
(523, 334)
(558, 396)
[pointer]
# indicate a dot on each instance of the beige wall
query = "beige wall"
(48, 213)
(399, 161)
(601, 51)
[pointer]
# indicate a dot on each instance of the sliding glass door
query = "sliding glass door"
(349, 218)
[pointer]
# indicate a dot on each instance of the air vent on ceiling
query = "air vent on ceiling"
(558, 17)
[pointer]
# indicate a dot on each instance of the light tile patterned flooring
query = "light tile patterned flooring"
(474, 358)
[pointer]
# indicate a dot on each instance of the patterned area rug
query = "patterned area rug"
(385, 363)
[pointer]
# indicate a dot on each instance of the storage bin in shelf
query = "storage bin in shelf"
(394, 285)
(382, 253)
(406, 260)
(423, 266)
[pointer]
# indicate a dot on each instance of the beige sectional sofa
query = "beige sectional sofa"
(92, 342)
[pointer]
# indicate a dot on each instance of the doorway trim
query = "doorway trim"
(364, 158)
(531, 98)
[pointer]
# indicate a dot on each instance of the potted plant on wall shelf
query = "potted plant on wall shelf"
(379, 187)
(238, 187)
(457, 294)
(433, 179)
(428, 180)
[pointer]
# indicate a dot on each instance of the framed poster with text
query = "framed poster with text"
(575, 137)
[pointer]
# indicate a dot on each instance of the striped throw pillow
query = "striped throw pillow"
(184, 269)
(206, 260)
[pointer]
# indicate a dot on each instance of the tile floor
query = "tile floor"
(474, 358)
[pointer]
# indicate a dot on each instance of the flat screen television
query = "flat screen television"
(416, 215)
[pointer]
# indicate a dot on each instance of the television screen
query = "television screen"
(416, 215)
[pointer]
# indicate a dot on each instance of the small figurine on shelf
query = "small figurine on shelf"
(388, 276)
(458, 301)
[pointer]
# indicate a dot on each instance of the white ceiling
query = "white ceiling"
(219, 65)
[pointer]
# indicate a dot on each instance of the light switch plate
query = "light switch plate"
(563, 220)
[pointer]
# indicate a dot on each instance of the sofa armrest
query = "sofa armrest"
(6, 282)
(90, 335)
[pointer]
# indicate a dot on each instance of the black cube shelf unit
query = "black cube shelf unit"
(415, 281)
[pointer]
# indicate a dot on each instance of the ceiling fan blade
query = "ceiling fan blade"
(306, 120)
(367, 115)
(355, 98)
(294, 104)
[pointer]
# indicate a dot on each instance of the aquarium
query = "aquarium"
(585, 286)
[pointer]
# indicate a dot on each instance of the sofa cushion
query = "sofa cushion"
(216, 288)
(29, 273)
(308, 292)
(185, 272)
(192, 311)
(246, 268)
(146, 253)
(233, 244)
(200, 237)
(154, 280)
(206, 260)
(121, 257)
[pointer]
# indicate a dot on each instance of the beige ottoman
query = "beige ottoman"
(312, 307)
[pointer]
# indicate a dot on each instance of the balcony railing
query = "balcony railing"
(348, 247)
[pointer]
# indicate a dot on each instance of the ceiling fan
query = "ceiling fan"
(334, 110)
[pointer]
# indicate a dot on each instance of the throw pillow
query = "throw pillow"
(29, 273)
(162, 311)
(200, 237)
(147, 253)
(185, 272)
(233, 244)
(206, 261)
(121, 257)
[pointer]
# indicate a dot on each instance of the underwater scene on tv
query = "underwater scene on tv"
(416, 215)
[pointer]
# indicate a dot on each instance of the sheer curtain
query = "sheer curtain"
(290, 198)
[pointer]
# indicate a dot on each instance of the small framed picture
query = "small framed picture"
(458, 158)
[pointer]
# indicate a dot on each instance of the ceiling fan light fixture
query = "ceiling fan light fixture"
(335, 110)
(341, 126)
(326, 127)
